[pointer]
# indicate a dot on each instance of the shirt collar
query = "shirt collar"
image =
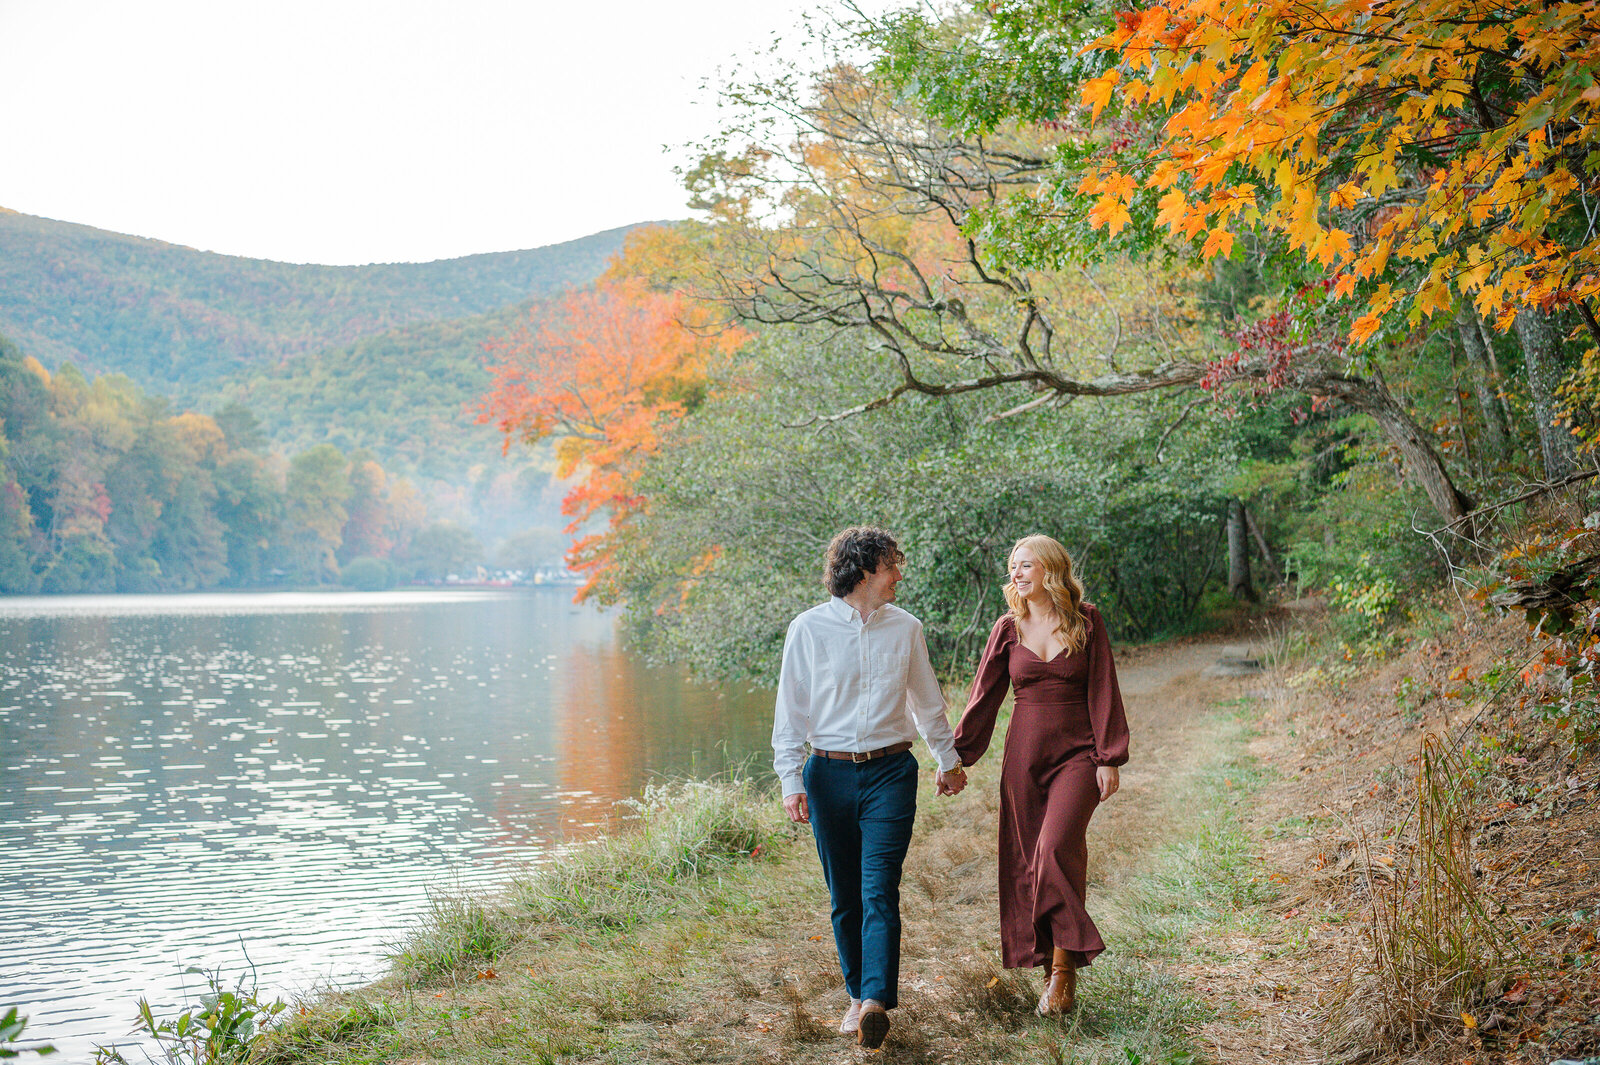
(846, 613)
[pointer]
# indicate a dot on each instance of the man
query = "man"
(855, 684)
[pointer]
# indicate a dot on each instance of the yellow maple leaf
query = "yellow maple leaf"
(1218, 240)
(1346, 195)
(1097, 91)
(1364, 327)
(1172, 207)
(1108, 211)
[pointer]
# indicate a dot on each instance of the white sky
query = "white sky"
(354, 131)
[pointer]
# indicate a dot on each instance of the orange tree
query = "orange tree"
(601, 374)
(1419, 154)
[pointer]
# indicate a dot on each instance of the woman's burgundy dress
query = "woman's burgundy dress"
(1067, 721)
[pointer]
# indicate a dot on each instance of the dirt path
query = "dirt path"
(1169, 691)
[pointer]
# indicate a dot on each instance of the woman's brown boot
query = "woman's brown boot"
(1061, 987)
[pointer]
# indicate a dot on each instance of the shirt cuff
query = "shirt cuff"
(794, 785)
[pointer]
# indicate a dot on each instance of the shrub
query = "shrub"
(368, 574)
(11, 1025)
(684, 832)
(1436, 953)
(220, 1030)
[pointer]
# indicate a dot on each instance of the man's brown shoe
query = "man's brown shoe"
(1060, 990)
(851, 1023)
(874, 1024)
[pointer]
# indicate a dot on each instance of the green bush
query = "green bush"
(221, 1029)
(368, 574)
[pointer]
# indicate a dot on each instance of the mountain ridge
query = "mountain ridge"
(181, 321)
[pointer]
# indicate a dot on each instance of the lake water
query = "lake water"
(185, 780)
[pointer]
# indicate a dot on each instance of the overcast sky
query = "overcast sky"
(355, 131)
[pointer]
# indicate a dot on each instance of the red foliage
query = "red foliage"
(603, 377)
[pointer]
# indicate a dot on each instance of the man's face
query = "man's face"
(881, 581)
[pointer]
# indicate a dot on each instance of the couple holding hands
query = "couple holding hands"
(856, 683)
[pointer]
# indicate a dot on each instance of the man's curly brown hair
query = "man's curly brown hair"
(854, 553)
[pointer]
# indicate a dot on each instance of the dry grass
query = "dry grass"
(1515, 808)
(1437, 954)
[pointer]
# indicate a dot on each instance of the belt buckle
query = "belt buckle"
(861, 756)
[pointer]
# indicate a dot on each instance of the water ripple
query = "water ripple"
(188, 780)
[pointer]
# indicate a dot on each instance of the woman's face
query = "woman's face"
(1027, 574)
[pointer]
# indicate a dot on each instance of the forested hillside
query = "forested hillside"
(386, 358)
(178, 321)
(103, 487)
(407, 394)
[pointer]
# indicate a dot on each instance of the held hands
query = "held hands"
(1106, 778)
(949, 782)
(797, 809)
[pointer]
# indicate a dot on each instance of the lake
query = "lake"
(279, 780)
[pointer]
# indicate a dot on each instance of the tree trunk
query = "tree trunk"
(1494, 369)
(1496, 432)
(1239, 584)
(1422, 463)
(1267, 556)
(1541, 356)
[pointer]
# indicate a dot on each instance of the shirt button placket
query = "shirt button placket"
(864, 697)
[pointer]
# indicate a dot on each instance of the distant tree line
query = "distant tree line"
(103, 488)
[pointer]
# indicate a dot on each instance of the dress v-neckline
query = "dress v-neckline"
(1024, 645)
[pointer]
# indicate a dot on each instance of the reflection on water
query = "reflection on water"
(186, 778)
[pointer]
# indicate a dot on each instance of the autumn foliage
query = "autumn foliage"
(1415, 151)
(602, 377)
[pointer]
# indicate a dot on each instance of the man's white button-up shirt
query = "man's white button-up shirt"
(849, 685)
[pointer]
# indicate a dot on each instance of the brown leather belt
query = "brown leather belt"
(865, 756)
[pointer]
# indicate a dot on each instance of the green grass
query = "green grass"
(687, 834)
(679, 839)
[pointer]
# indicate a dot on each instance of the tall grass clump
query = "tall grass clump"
(457, 930)
(1436, 953)
(682, 838)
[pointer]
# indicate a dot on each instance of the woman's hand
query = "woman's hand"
(1106, 777)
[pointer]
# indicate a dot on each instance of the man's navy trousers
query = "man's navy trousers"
(861, 815)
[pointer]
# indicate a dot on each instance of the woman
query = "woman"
(1067, 737)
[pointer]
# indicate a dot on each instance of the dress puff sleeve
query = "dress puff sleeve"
(1105, 698)
(989, 688)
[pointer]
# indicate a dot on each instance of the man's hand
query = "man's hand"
(949, 782)
(799, 811)
(1107, 779)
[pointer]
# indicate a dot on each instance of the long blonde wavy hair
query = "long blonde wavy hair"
(1060, 584)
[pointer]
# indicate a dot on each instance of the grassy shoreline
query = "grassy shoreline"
(700, 933)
